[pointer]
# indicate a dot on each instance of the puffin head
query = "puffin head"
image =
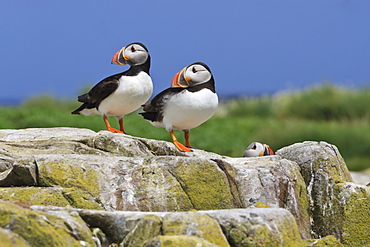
(193, 74)
(132, 54)
(256, 149)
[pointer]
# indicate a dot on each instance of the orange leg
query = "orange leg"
(187, 138)
(180, 146)
(121, 126)
(105, 118)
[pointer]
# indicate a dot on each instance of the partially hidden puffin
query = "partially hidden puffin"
(190, 101)
(256, 149)
(122, 93)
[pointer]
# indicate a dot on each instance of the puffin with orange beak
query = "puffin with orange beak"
(256, 149)
(190, 101)
(122, 93)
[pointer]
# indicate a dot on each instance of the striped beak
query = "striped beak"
(120, 58)
(179, 80)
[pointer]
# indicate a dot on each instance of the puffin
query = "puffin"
(190, 101)
(256, 149)
(123, 93)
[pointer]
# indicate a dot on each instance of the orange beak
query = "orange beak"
(179, 80)
(120, 58)
(269, 150)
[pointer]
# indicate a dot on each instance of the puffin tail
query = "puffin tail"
(150, 116)
(86, 109)
(79, 109)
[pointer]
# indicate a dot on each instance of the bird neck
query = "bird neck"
(136, 69)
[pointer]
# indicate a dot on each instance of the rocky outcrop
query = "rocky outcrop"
(134, 191)
(338, 206)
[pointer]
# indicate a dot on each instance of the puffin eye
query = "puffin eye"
(195, 70)
(254, 147)
(133, 49)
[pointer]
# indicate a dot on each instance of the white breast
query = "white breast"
(132, 92)
(187, 110)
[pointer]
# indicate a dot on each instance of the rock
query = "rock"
(41, 229)
(194, 224)
(147, 182)
(320, 162)
(350, 217)
(270, 181)
(148, 227)
(233, 227)
(81, 169)
(338, 207)
(329, 240)
(258, 227)
(11, 239)
(178, 240)
(34, 195)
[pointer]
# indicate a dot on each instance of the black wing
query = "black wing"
(154, 109)
(101, 90)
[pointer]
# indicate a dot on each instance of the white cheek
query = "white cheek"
(201, 77)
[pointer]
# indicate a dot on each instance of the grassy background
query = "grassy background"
(340, 116)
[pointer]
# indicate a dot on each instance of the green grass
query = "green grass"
(338, 116)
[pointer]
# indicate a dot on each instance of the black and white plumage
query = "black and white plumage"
(190, 101)
(122, 93)
(256, 149)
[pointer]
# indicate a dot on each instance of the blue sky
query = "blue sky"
(252, 47)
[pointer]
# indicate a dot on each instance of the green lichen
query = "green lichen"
(80, 199)
(206, 186)
(298, 201)
(254, 235)
(53, 196)
(10, 239)
(343, 211)
(156, 189)
(289, 232)
(37, 229)
(179, 240)
(69, 173)
(355, 200)
(257, 232)
(34, 196)
(147, 228)
(194, 224)
(261, 205)
(328, 241)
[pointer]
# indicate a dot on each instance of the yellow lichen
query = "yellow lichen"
(261, 205)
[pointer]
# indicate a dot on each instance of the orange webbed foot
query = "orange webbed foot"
(113, 130)
(182, 147)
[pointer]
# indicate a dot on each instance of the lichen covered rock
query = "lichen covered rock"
(353, 217)
(273, 182)
(233, 227)
(178, 240)
(194, 224)
(11, 239)
(34, 195)
(39, 229)
(258, 227)
(304, 189)
(329, 240)
(147, 228)
(338, 206)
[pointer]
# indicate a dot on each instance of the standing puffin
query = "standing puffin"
(190, 101)
(123, 93)
(256, 149)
